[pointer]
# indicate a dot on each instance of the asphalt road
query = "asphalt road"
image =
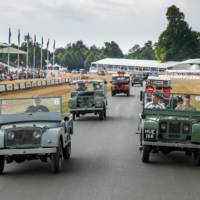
(106, 165)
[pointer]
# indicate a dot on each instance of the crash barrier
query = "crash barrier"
(35, 83)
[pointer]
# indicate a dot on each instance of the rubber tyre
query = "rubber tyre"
(2, 164)
(113, 94)
(101, 115)
(77, 114)
(74, 116)
(105, 113)
(57, 160)
(146, 153)
(67, 152)
(196, 158)
(128, 94)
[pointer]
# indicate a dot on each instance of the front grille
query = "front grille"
(174, 129)
(23, 137)
(85, 101)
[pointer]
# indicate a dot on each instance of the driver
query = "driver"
(155, 103)
(96, 86)
(81, 87)
(37, 107)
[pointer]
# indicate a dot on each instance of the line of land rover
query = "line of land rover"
(35, 127)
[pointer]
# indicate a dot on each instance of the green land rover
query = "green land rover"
(88, 96)
(174, 126)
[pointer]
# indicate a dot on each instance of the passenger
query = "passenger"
(81, 87)
(97, 86)
(179, 103)
(37, 107)
(186, 104)
(155, 103)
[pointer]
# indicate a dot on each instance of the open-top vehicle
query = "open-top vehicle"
(120, 84)
(137, 79)
(173, 127)
(88, 96)
(161, 83)
(34, 128)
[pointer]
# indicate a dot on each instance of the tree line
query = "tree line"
(176, 43)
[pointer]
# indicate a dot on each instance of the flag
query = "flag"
(42, 42)
(48, 44)
(54, 45)
(34, 40)
(9, 36)
(19, 37)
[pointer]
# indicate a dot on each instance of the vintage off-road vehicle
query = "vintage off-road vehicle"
(34, 128)
(88, 96)
(137, 79)
(120, 84)
(160, 84)
(175, 128)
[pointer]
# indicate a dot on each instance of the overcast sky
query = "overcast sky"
(127, 22)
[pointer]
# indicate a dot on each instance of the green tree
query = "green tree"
(178, 41)
(146, 52)
(112, 50)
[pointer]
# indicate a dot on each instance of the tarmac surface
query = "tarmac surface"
(106, 165)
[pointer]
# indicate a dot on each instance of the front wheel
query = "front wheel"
(57, 160)
(101, 115)
(67, 152)
(74, 116)
(146, 153)
(2, 163)
(196, 158)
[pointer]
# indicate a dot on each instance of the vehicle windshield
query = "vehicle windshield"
(174, 102)
(30, 105)
(87, 86)
(158, 82)
(120, 79)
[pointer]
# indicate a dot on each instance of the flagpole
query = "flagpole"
(18, 57)
(41, 53)
(9, 42)
(34, 57)
(27, 64)
(54, 46)
(18, 48)
(8, 56)
(41, 58)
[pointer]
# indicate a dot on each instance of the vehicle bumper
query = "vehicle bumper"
(10, 152)
(176, 145)
(85, 109)
(120, 91)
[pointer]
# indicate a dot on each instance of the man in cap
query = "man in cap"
(37, 107)
(155, 103)
(186, 104)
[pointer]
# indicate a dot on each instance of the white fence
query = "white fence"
(33, 84)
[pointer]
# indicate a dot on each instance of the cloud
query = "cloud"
(128, 22)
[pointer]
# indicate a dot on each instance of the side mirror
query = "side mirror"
(141, 115)
(141, 95)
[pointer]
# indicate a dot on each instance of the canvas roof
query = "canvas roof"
(134, 63)
(11, 50)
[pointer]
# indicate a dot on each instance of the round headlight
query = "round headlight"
(186, 128)
(163, 126)
(11, 135)
(36, 134)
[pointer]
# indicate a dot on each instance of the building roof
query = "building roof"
(134, 63)
(11, 50)
(3, 44)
